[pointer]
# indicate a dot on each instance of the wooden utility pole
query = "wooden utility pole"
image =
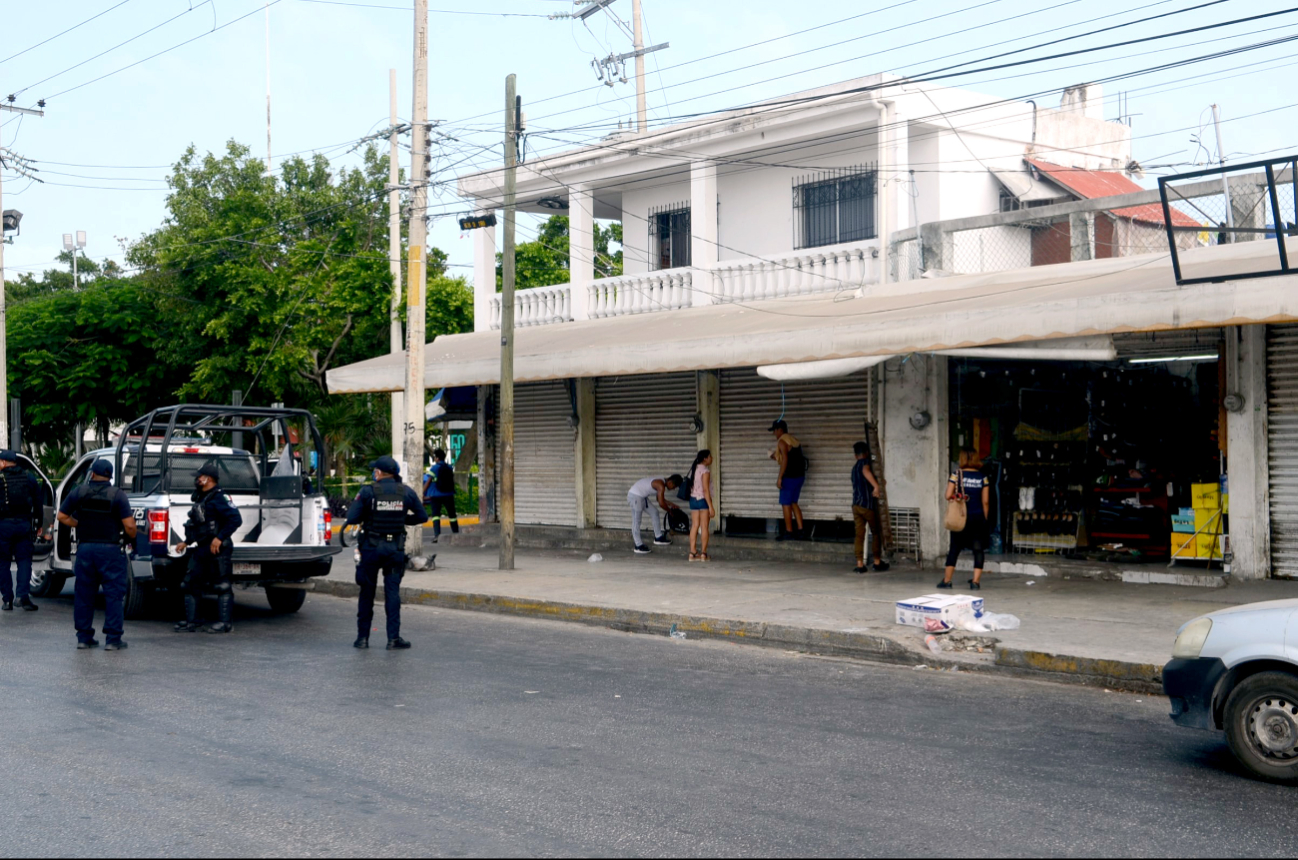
(417, 275)
(395, 340)
(505, 502)
(641, 102)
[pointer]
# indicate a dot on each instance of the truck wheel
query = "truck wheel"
(47, 583)
(1262, 725)
(139, 597)
(285, 600)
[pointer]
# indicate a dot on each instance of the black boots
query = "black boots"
(27, 605)
(361, 642)
(397, 644)
(190, 624)
(224, 614)
(7, 605)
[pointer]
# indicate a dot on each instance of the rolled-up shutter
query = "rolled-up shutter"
(827, 416)
(1282, 446)
(545, 489)
(642, 429)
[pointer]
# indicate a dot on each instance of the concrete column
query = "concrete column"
(704, 252)
(935, 246)
(917, 459)
(486, 454)
(585, 453)
(1246, 434)
(708, 404)
(1248, 206)
(581, 248)
(1081, 229)
(899, 190)
(484, 276)
(933, 535)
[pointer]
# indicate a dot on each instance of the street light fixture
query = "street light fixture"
(69, 245)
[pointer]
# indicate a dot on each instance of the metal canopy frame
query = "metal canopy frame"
(192, 419)
(1288, 174)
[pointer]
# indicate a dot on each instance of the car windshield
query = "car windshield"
(238, 474)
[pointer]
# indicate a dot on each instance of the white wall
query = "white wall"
(917, 460)
(636, 203)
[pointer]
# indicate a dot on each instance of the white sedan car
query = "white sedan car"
(1237, 670)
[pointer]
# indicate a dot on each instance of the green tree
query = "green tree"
(543, 262)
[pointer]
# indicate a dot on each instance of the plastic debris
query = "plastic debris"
(933, 645)
(1032, 582)
(595, 557)
(987, 622)
(676, 634)
(936, 625)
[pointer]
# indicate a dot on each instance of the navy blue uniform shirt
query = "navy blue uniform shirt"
(221, 511)
(362, 506)
(71, 506)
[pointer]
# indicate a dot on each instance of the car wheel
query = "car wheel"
(47, 583)
(1262, 725)
(139, 598)
(285, 600)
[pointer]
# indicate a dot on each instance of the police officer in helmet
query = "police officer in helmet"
(383, 509)
(100, 513)
(20, 514)
(213, 520)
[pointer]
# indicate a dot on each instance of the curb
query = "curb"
(878, 648)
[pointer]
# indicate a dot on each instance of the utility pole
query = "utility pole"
(1225, 183)
(505, 503)
(417, 274)
(22, 168)
(267, 2)
(641, 104)
(394, 255)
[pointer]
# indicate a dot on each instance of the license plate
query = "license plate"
(244, 568)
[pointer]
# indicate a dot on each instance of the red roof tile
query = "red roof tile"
(1090, 184)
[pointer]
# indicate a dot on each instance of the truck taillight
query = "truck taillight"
(327, 532)
(159, 526)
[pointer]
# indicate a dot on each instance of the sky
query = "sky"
(129, 84)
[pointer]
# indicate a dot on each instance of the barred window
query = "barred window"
(669, 236)
(834, 207)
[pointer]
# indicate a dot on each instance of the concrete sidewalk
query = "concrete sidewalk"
(1111, 633)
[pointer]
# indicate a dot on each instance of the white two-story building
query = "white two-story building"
(829, 258)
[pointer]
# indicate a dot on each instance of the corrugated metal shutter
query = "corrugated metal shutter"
(1282, 446)
(642, 429)
(827, 416)
(1165, 344)
(545, 488)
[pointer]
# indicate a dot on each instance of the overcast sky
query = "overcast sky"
(104, 146)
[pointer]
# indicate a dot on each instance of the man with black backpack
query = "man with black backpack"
(439, 492)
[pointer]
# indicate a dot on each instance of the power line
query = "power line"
(431, 11)
(65, 32)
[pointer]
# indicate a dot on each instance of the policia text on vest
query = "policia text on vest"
(20, 516)
(101, 514)
(383, 510)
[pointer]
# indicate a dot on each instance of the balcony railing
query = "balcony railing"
(815, 270)
(537, 306)
(664, 290)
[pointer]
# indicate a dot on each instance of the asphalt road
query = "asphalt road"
(500, 736)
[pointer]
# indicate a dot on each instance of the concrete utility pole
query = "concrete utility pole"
(641, 103)
(417, 275)
(505, 503)
(1225, 183)
(267, 2)
(396, 341)
(4, 321)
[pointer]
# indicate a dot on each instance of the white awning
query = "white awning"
(1043, 303)
(1028, 190)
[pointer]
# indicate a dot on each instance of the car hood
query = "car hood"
(1288, 605)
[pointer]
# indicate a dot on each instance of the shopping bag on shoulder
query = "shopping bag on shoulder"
(957, 514)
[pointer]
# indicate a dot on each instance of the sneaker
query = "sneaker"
(398, 644)
(219, 628)
(27, 605)
(641, 550)
(945, 584)
(361, 642)
(86, 646)
(662, 541)
(881, 566)
(435, 538)
(185, 627)
(974, 586)
(115, 646)
(7, 606)
(860, 568)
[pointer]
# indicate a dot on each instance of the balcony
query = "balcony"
(815, 270)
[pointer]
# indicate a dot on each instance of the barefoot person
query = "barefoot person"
(793, 473)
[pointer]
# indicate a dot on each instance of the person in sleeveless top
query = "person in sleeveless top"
(793, 474)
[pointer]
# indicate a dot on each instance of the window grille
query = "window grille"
(669, 236)
(834, 207)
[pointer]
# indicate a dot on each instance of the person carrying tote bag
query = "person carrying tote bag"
(968, 495)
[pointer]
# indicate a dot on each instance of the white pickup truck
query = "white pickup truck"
(285, 537)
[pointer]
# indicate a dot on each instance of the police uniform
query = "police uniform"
(99, 509)
(20, 513)
(383, 509)
(212, 515)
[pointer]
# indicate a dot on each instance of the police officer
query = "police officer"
(383, 509)
(100, 513)
(20, 513)
(213, 520)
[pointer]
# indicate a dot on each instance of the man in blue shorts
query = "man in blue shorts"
(793, 473)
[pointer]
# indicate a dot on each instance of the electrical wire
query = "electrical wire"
(65, 32)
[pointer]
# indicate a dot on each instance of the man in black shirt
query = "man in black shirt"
(20, 513)
(213, 520)
(100, 513)
(383, 509)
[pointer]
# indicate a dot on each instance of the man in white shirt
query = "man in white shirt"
(651, 494)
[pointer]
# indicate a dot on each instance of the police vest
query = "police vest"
(199, 515)
(388, 510)
(16, 497)
(96, 522)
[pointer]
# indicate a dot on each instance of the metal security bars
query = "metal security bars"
(669, 236)
(1252, 202)
(834, 207)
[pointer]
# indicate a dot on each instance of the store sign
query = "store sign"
(454, 444)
